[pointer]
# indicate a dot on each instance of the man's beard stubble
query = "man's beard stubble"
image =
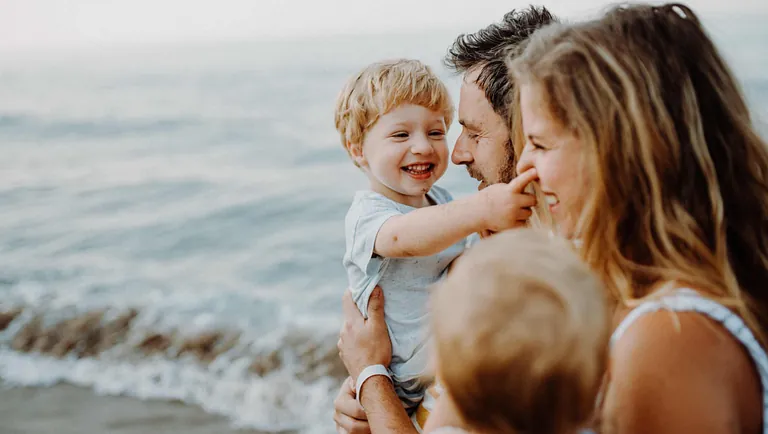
(505, 174)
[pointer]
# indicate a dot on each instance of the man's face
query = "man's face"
(484, 145)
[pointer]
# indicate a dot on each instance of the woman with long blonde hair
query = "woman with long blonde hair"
(646, 154)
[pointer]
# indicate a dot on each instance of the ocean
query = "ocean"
(171, 218)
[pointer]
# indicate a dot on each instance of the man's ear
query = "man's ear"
(356, 151)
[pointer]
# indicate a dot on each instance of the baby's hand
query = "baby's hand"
(506, 205)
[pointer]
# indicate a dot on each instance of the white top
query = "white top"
(405, 281)
(687, 300)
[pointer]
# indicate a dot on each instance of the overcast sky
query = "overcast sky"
(54, 24)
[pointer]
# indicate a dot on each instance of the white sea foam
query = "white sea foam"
(277, 402)
(276, 381)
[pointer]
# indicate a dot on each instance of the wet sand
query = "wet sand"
(65, 409)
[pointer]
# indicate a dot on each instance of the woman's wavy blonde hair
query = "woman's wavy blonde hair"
(680, 176)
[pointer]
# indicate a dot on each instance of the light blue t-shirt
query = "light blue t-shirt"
(405, 281)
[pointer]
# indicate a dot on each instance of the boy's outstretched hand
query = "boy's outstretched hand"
(507, 206)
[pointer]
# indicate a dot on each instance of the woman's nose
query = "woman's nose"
(525, 161)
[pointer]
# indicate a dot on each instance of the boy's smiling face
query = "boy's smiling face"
(404, 153)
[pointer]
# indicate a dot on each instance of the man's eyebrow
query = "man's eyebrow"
(468, 124)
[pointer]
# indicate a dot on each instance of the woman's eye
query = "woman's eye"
(535, 145)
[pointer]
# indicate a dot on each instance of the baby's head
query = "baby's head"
(393, 117)
(521, 332)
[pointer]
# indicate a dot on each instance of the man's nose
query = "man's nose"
(460, 154)
(525, 161)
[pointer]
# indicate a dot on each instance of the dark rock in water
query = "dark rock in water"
(225, 344)
(85, 335)
(155, 343)
(266, 363)
(317, 359)
(25, 339)
(114, 332)
(201, 346)
(7, 317)
(207, 346)
(92, 333)
(45, 339)
(78, 335)
(329, 363)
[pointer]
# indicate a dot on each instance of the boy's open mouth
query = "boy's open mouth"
(419, 171)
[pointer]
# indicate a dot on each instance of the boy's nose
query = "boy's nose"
(422, 146)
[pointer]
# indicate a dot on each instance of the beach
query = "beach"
(66, 409)
(172, 230)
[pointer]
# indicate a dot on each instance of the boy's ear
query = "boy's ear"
(356, 151)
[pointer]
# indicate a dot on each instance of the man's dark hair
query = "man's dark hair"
(486, 49)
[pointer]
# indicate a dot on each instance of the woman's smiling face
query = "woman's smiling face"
(558, 157)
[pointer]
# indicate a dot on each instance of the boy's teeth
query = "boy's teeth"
(551, 200)
(418, 168)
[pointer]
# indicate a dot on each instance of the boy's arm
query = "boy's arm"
(428, 231)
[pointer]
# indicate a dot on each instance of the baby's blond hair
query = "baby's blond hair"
(383, 86)
(521, 331)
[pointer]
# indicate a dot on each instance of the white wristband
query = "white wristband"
(368, 372)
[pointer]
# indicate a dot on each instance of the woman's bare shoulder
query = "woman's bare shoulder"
(680, 372)
(666, 337)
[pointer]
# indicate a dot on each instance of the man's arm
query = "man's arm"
(365, 342)
(384, 409)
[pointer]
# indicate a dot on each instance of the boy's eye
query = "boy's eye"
(400, 135)
(437, 133)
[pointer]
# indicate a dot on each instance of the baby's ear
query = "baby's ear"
(356, 151)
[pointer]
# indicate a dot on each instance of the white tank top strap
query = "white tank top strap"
(688, 300)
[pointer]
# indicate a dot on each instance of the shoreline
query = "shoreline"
(67, 409)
